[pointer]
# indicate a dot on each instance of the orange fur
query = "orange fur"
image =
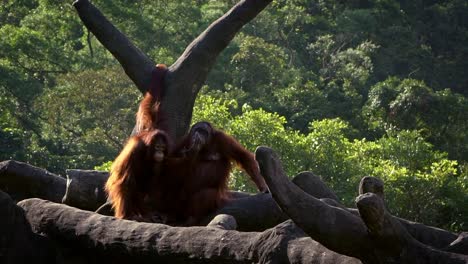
(148, 116)
(135, 175)
(121, 185)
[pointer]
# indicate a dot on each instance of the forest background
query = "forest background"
(344, 89)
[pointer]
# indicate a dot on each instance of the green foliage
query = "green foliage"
(411, 104)
(106, 166)
(87, 118)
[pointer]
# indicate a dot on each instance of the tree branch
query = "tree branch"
(136, 64)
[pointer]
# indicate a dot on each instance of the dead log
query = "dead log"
(377, 237)
(90, 237)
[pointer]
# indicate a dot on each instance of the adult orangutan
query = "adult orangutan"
(135, 176)
(206, 155)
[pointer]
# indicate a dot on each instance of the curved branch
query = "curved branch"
(136, 64)
(198, 58)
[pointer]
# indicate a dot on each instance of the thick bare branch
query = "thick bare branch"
(85, 189)
(224, 222)
(136, 64)
(370, 184)
(314, 185)
(198, 58)
(459, 245)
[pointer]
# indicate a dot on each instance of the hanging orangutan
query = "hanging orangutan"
(149, 115)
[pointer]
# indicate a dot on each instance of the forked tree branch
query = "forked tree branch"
(187, 75)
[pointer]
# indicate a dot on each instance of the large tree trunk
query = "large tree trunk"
(187, 75)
